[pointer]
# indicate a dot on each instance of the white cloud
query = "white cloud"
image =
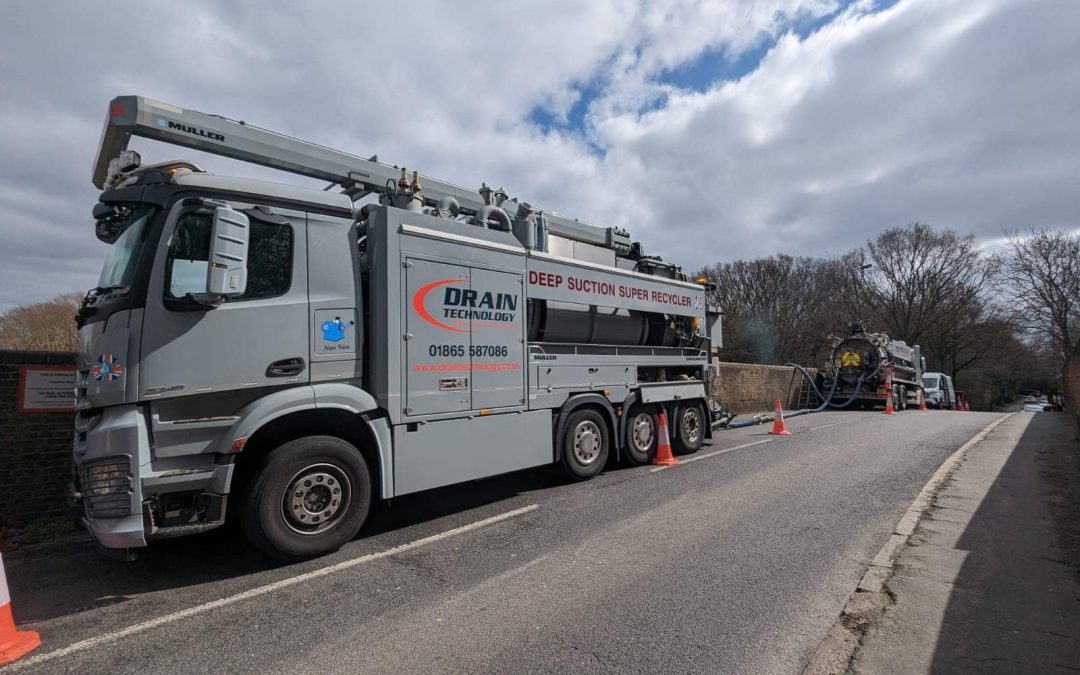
(958, 113)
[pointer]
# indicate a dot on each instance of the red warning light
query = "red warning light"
(116, 109)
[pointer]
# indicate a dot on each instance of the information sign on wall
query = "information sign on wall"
(46, 389)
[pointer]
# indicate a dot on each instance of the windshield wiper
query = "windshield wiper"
(96, 292)
(87, 309)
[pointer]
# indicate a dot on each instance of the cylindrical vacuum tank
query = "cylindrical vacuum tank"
(551, 321)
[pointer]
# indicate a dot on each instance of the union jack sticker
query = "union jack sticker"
(107, 368)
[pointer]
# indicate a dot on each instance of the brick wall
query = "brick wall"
(35, 448)
(752, 388)
(1072, 387)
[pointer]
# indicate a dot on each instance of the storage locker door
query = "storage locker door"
(498, 345)
(437, 339)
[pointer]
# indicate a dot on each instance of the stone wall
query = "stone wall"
(752, 388)
(35, 447)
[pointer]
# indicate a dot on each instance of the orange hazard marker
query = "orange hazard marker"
(664, 455)
(889, 410)
(778, 427)
(13, 643)
(922, 400)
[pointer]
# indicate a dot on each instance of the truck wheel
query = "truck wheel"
(586, 444)
(309, 497)
(903, 398)
(690, 422)
(641, 434)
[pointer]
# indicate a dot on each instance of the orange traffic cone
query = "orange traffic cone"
(889, 410)
(922, 400)
(664, 456)
(778, 427)
(13, 643)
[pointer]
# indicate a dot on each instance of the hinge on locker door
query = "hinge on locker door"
(407, 336)
(406, 263)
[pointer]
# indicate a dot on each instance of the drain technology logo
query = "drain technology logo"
(459, 306)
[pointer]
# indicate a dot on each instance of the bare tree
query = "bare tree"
(934, 287)
(1042, 274)
(777, 309)
(42, 326)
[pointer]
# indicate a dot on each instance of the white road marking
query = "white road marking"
(262, 590)
(712, 454)
(835, 424)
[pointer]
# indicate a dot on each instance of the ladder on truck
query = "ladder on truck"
(357, 177)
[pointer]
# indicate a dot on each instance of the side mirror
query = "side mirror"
(226, 275)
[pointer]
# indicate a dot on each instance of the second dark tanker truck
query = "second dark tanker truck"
(859, 365)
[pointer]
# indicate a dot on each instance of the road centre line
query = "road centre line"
(836, 424)
(263, 590)
(712, 454)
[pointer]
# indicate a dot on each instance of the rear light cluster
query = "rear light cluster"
(107, 487)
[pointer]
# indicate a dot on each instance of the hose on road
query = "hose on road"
(826, 401)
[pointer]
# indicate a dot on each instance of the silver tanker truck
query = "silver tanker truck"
(289, 355)
(859, 366)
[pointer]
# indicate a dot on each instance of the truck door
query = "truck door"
(257, 339)
(498, 345)
(464, 343)
(438, 378)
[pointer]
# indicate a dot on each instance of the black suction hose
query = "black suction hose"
(826, 401)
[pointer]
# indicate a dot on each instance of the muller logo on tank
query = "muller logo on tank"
(446, 305)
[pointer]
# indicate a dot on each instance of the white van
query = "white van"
(939, 391)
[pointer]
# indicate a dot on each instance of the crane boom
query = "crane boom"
(139, 116)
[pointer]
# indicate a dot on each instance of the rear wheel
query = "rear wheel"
(309, 497)
(690, 425)
(641, 434)
(586, 444)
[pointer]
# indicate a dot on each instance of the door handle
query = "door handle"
(285, 367)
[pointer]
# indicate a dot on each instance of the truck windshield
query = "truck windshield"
(128, 239)
(930, 381)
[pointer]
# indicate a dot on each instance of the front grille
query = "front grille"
(85, 420)
(82, 378)
(107, 487)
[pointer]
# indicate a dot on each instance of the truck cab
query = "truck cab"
(169, 375)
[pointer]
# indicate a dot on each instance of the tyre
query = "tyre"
(641, 434)
(689, 425)
(896, 397)
(308, 497)
(586, 444)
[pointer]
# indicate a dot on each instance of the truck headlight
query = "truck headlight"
(106, 486)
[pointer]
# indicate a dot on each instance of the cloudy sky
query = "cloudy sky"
(711, 130)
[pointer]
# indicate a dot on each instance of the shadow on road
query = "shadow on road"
(1007, 603)
(62, 578)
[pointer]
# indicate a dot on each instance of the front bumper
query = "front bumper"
(117, 484)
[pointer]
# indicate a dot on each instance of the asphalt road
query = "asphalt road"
(736, 561)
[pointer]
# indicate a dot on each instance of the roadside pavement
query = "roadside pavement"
(990, 580)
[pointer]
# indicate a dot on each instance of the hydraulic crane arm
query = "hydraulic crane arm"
(138, 116)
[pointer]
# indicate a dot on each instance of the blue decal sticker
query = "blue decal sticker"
(334, 331)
